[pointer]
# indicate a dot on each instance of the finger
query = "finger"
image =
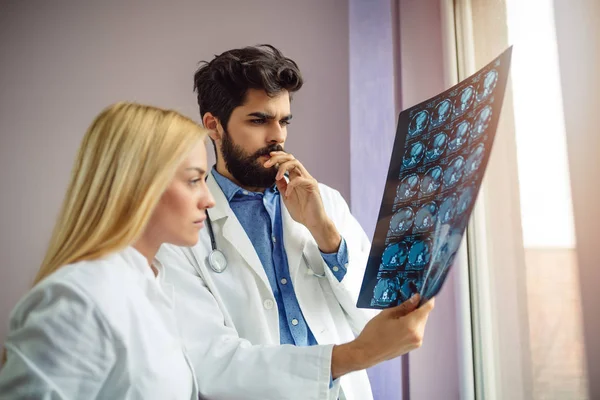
(423, 311)
(281, 157)
(278, 157)
(289, 166)
(405, 308)
(293, 184)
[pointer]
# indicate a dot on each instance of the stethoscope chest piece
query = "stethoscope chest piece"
(217, 261)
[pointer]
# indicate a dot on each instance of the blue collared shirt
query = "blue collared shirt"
(260, 216)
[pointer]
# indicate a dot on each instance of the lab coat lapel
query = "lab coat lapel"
(227, 227)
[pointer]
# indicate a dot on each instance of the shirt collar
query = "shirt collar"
(231, 190)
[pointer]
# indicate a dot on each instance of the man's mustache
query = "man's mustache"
(268, 150)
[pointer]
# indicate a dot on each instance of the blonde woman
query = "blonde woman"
(99, 321)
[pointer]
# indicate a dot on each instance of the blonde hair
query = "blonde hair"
(125, 162)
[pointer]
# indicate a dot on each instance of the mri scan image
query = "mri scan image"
(409, 286)
(394, 256)
(414, 156)
(441, 113)
(486, 87)
(447, 209)
(459, 136)
(431, 181)
(454, 171)
(402, 221)
(464, 101)
(441, 263)
(426, 216)
(482, 122)
(385, 292)
(436, 147)
(465, 200)
(408, 187)
(419, 253)
(436, 277)
(439, 154)
(419, 123)
(475, 160)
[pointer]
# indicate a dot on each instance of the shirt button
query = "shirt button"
(346, 265)
(294, 322)
(268, 304)
(245, 192)
(274, 239)
(335, 269)
(283, 281)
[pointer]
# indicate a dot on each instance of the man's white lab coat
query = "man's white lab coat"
(229, 320)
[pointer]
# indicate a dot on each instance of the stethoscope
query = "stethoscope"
(218, 261)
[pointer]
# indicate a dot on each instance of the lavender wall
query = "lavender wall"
(372, 130)
(63, 61)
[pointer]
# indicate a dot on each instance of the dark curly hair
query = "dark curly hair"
(221, 84)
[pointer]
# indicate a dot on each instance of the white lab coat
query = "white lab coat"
(230, 323)
(100, 329)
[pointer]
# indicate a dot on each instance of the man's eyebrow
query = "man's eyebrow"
(198, 169)
(263, 115)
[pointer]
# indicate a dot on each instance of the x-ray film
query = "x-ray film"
(440, 153)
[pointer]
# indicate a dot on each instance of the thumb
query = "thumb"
(406, 308)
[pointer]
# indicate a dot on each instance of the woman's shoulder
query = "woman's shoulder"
(99, 286)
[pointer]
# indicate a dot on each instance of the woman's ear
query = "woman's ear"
(211, 123)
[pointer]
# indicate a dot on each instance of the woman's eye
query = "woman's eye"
(194, 182)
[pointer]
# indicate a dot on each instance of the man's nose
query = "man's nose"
(277, 134)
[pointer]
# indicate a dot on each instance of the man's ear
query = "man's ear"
(212, 123)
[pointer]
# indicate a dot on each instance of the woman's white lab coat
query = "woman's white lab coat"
(230, 323)
(100, 329)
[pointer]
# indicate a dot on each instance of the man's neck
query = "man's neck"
(221, 169)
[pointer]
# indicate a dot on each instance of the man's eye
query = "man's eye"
(285, 122)
(258, 121)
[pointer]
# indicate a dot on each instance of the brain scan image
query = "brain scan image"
(454, 171)
(414, 156)
(465, 100)
(431, 181)
(482, 122)
(488, 84)
(402, 220)
(426, 216)
(408, 288)
(436, 148)
(419, 253)
(465, 200)
(385, 292)
(408, 187)
(442, 112)
(436, 277)
(459, 136)
(447, 209)
(475, 160)
(419, 123)
(449, 246)
(394, 256)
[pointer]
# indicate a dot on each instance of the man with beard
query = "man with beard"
(266, 300)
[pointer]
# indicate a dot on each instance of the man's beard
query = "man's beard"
(247, 169)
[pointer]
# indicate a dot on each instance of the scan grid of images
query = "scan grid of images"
(447, 143)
